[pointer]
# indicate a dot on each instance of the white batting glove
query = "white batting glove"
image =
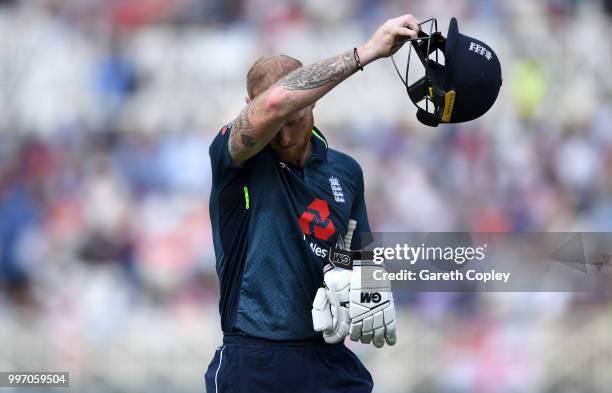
(330, 313)
(371, 308)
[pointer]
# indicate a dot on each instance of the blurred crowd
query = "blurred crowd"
(107, 109)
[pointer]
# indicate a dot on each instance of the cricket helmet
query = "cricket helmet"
(463, 88)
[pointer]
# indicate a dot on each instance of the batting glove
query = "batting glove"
(330, 313)
(371, 308)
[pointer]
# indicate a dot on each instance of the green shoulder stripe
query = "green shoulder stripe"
(315, 133)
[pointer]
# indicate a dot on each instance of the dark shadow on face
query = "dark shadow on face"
(292, 141)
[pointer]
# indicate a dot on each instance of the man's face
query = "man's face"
(291, 142)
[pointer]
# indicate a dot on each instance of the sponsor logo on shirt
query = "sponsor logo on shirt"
(318, 250)
(315, 220)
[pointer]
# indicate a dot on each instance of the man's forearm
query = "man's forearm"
(327, 72)
(307, 84)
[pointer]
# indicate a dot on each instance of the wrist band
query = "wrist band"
(356, 56)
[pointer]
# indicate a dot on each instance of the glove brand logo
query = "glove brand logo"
(315, 220)
(340, 258)
(370, 297)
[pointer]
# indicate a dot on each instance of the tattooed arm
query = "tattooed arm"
(264, 116)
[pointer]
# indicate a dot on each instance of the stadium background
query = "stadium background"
(106, 112)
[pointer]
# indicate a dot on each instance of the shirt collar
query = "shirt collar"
(319, 145)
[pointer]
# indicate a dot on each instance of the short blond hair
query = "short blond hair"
(267, 70)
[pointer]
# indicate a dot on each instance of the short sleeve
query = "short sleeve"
(220, 160)
(362, 236)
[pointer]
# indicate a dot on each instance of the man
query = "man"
(280, 199)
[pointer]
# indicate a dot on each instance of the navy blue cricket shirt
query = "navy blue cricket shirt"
(273, 224)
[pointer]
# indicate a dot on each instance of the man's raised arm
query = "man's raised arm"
(264, 115)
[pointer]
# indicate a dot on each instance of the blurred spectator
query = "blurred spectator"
(109, 109)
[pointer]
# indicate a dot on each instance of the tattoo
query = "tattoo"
(321, 73)
(247, 140)
(332, 70)
(240, 138)
(243, 121)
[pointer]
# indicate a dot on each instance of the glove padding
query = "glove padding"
(371, 307)
(330, 312)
